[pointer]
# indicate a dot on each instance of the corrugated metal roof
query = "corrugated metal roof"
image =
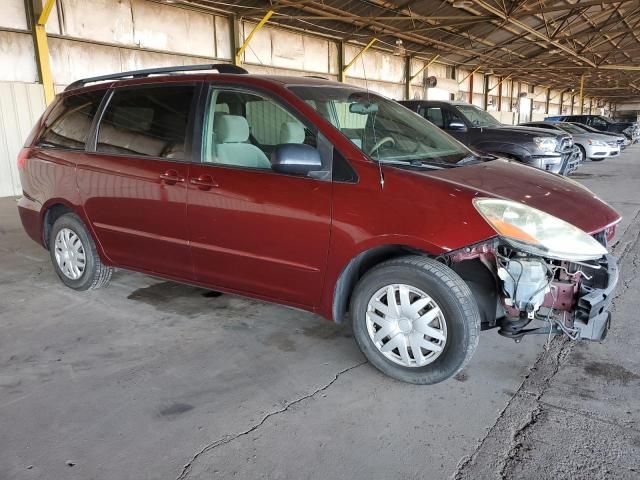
(533, 40)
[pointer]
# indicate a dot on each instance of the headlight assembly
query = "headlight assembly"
(536, 232)
(546, 144)
(597, 143)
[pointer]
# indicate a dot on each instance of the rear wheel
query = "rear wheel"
(74, 255)
(415, 320)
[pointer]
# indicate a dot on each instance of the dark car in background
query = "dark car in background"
(479, 130)
(604, 124)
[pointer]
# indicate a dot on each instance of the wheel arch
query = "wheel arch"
(51, 211)
(357, 267)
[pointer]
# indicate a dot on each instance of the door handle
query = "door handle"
(204, 182)
(171, 177)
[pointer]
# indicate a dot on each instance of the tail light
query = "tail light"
(23, 156)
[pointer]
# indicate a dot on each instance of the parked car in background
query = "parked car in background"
(480, 131)
(622, 140)
(317, 195)
(593, 146)
(630, 129)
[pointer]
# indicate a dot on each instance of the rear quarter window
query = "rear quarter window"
(149, 121)
(69, 123)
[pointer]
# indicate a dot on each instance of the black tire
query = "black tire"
(583, 154)
(452, 295)
(95, 274)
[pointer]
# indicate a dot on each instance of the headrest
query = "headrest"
(231, 128)
(291, 132)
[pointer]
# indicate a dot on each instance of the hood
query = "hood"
(529, 131)
(602, 138)
(545, 191)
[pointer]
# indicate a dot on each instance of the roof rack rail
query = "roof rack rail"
(219, 67)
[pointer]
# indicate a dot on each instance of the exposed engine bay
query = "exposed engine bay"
(523, 294)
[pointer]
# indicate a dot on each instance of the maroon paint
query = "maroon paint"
(270, 236)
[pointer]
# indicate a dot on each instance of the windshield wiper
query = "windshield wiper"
(471, 159)
(415, 164)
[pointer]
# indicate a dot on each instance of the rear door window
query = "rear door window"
(435, 116)
(149, 121)
(69, 124)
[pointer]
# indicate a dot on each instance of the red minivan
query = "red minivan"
(318, 195)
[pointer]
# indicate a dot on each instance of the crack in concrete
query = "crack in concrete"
(186, 470)
(558, 350)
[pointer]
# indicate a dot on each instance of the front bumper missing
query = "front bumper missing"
(586, 319)
(592, 317)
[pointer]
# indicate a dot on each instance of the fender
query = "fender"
(369, 254)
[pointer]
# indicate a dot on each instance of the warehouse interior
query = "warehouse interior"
(522, 64)
(151, 379)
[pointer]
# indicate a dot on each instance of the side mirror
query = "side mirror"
(457, 126)
(295, 159)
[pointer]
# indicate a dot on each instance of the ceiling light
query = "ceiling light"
(462, 4)
(399, 49)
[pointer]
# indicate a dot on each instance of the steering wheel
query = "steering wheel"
(380, 143)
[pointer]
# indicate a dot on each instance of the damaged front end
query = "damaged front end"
(524, 294)
(540, 275)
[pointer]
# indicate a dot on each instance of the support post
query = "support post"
(561, 102)
(234, 30)
(547, 102)
(582, 94)
(500, 94)
(407, 78)
(573, 101)
(511, 97)
(486, 92)
(42, 51)
(341, 53)
(359, 54)
(470, 100)
(245, 44)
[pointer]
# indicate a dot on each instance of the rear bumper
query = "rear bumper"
(592, 317)
(29, 211)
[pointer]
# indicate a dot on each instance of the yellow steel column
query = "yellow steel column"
(244, 46)
(425, 66)
(353, 60)
(42, 51)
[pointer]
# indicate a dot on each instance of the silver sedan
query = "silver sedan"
(593, 146)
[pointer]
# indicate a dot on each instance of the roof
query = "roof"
(528, 40)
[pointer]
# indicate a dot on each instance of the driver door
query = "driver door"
(253, 230)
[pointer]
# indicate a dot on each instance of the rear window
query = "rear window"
(69, 123)
(149, 121)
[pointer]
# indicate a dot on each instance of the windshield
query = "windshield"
(478, 117)
(567, 127)
(382, 128)
(605, 119)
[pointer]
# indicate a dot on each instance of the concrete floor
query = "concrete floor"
(153, 380)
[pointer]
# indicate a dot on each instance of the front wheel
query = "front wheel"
(415, 320)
